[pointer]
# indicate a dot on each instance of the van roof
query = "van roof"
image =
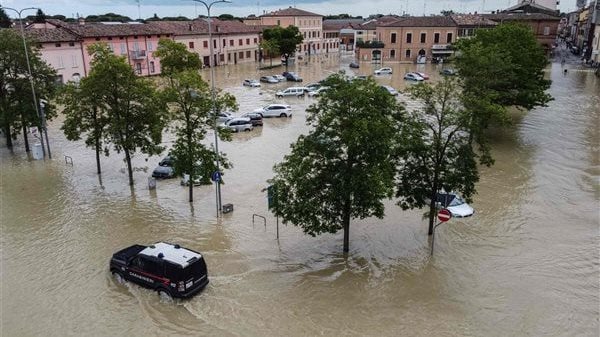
(171, 253)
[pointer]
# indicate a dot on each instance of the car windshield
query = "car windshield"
(457, 201)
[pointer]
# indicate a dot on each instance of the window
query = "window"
(149, 45)
(123, 49)
(247, 41)
(393, 37)
(222, 57)
(241, 55)
(74, 61)
(205, 44)
(191, 45)
(136, 46)
(57, 45)
(71, 44)
(61, 63)
(109, 38)
(231, 43)
(392, 54)
(152, 70)
(240, 42)
(224, 43)
(138, 68)
(546, 30)
(255, 40)
(305, 35)
(111, 47)
(449, 38)
(98, 39)
(278, 22)
(436, 38)
(214, 43)
(423, 37)
(408, 37)
(408, 53)
(248, 54)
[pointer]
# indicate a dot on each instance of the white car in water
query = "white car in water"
(455, 204)
(275, 110)
(383, 71)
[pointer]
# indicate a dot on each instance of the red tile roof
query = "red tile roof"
(43, 35)
(422, 21)
(291, 11)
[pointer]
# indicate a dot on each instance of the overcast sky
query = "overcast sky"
(71, 8)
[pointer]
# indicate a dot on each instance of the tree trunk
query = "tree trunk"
(286, 62)
(98, 155)
(346, 220)
(9, 142)
(432, 203)
(191, 187)
(25, 138)
(129, 168)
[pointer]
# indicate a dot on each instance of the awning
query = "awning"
(445, 52)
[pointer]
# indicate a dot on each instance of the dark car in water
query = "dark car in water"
(170, 270)
(255, 118)
(291, 76)
(164, 170)
(354, 65)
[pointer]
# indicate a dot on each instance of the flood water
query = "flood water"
(527, 263)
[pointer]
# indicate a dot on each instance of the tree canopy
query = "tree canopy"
(5, 21)
(344, 167)
(286, 39)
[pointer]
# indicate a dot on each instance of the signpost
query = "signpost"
(443, 215)
(216, 177)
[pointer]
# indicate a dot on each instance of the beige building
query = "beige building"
(233, 41)
(409, 38)
(309, 24)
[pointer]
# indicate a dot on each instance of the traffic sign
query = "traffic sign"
(216, 176)
(444, 215)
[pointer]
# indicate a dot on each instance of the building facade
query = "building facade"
(309, 24)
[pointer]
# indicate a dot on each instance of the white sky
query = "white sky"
(71, 8)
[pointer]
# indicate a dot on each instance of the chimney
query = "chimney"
(81, 21)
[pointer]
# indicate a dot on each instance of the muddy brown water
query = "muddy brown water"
(527, 263)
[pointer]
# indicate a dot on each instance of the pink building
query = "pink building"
(135, 41)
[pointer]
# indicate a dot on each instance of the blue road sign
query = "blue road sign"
(216, 176)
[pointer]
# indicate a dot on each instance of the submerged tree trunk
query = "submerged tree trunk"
(129, 168)
(432, 203)
(97, 135)
(346, 223)
(97, 146)
(9, 142)
(25, 138)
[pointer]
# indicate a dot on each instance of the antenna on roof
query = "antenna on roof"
(139, 10)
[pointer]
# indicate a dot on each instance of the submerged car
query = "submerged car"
(291, 76)
(425, 76)
(448, 72)
(317, 92)
(170, 270)
(354, 65)
(413, 77)
(269, 79)
(255, 118)
(383, 71)
(239, 124)
(292, 91)
(390, 90)
(251, 83)
(275, 110)
(223, 117)
(278, 77)
(164, 170)
(455, 204)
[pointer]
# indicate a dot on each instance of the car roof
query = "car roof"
(445, 198)
(283, 105)
(171, 253)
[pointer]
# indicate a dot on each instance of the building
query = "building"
(408, 39)
(550, 4)
(342, 31)
(309, 24)
(366, 32)
(233, 41)
(468, 24)
(61, 50)
(594, 50)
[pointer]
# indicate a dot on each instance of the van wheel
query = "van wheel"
(283, 115)
(247, 130)
(164, 294)
(118, 277)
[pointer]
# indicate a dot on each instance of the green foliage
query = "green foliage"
(40, 17)
(501, 67)
(270, 48)
(344, 167)
(135, 115)
(108, 17)
(174, 57)
(4, 19)
(286, 39)
(190, 103)
(17, 110)
(434, 148)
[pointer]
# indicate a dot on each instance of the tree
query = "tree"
(85, 114)
(17, 111)
(226, 17)
(189, 99)
(344, 167)
(501, 67)
(286, 39)
(270, 48)
(40, 17)
(447, 12)
(434, 149)
(5, 21)
(134, 114)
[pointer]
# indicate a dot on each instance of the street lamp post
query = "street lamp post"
(213, 95)
(35, 101)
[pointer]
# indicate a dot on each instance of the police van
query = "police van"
(171, 270)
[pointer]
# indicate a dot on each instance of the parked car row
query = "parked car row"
(286, 76)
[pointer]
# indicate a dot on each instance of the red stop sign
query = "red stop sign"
(444, 215)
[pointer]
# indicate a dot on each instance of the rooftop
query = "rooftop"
(291, 11)
(521, 17)
(472, 20)
(180, 256)
(50, 35)
(422, 21)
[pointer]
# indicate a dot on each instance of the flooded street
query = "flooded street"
(527, 263)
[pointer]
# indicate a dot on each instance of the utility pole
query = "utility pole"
(214, 97)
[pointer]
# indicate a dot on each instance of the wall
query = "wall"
(65, 58)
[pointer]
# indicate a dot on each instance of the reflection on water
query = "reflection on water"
(525, 264)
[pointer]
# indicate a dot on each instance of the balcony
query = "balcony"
(138, 54)
(370, 44)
